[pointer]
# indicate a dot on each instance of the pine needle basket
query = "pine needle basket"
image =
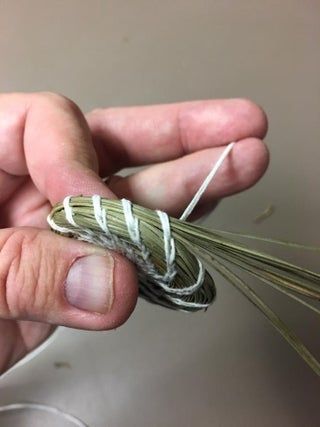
(173, 256)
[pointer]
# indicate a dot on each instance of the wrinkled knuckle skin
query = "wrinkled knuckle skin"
(27, 277)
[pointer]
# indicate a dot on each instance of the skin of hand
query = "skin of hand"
(49, 149)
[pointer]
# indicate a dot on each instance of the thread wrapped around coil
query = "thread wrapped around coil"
(169, 273)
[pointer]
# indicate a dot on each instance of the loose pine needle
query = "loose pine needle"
(269, 210)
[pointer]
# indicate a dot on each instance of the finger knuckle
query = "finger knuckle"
(28, 277)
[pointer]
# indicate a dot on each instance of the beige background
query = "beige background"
(226, 367)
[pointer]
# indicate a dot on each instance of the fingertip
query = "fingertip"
(254, 155)
(215, 123)
(253, 115)
(54, 124)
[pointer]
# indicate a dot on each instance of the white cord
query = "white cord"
(169, 245)
(206, 182)
(68, 211)
(100, 214)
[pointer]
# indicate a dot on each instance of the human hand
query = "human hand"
(49, 149)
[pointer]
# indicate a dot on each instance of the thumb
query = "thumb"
(50, 278)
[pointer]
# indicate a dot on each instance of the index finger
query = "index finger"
(47, 137)
(137, 136)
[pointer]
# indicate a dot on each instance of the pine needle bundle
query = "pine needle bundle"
(173, 256)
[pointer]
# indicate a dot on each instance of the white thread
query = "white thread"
(68, 211)
(187, 290)
(46, 408)
(206, 182)
(200, 278)
(189, 209)
(131, 221)
(100, 214)
(169, 245)
(56, 227)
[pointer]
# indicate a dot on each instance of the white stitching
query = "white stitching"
(68, 211)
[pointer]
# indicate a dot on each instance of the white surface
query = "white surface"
(226, 367)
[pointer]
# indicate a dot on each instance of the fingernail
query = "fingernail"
(89, 284)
